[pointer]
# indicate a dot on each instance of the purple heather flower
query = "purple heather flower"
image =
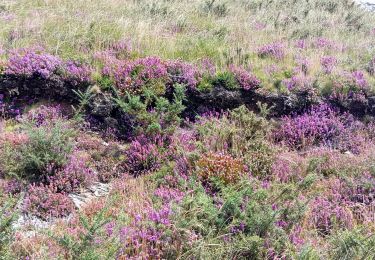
(301, 44)
(274, 50)
(28, 62)
(183, 73)
(77, 72)
(328, 63)
(246, 80)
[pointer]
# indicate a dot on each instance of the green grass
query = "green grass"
(190, 30)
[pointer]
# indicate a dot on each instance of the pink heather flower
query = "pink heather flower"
(44, 202)
(208, 67)
(320, 125)
(246, 80)
(132, 75)
(298, 82)
(270, 70)
(169, 194)
(326, 214)
(75, 175)
(183, 73)
(360, 79)
(28, 62)
(259, 26)
(77, 72)
(328, 63)
(44, 115)
(274, 50)
(301, 44)
(295, 236)
(303, 65)
(323, 43)
(142, 157)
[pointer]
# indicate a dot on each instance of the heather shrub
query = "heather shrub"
(45, 202)
(245, 79)
(346, 86)
(183, 73)
(75, 174)
(219, 166)
(32, 62)
(273, 50)
(143, 156)
(77, 72)
(326, 215)
(149, 72)
(321, 125)
(328, 63)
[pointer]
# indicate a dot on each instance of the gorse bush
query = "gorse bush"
(45, 147)
(7, 217)
(240, 133)
(154, 114)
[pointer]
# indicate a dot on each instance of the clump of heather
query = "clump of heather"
(320, 125)
(327, 44)
(143, 72)
(298, 82)
(287, 167)
(349, 86)
(208, 67)
(326, 215)
(43, 116)
(274, 50)
(29, 62)
(183, 73)
(11, 186)
(46, 203)
(143, 156)
(77, 72)
(301, 44)
(245, 79)
(75, 175)
(328, 63)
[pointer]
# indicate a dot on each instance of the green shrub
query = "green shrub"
(242, 134)
(206, 84)
(7, 216)
(227, 80)
(154, 114)
(352, 244)
(46, 149)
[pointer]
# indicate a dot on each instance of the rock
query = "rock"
(101, 105)
(79, 199)
(87, 195)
